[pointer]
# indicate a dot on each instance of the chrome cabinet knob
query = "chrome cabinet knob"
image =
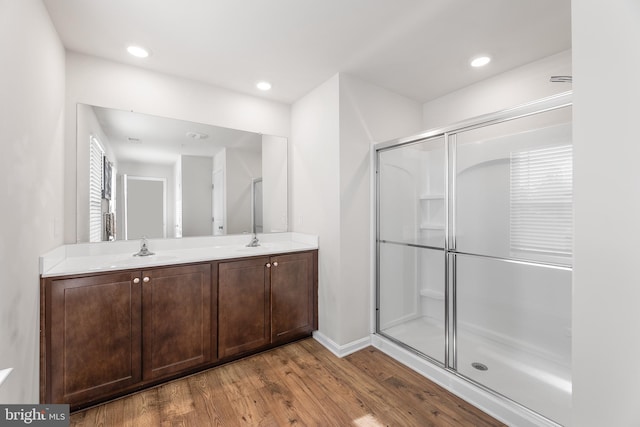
(146, 279)
(268, 265)
(136, 280)
(275, 263)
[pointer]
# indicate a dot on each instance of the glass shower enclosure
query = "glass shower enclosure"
(474, 251)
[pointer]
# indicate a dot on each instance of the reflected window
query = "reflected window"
(96, 163)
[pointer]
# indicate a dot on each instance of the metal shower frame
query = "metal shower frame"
(449, 133)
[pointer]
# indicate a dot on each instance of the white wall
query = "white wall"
(515, 87)
(274, 183)
(315, 198)
(606, 287)
(333, 128)
(95, 81)
(32, 163)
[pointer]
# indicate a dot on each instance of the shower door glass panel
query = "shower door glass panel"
(411, 238)
(513, 184)
(411, 297)
(411, 203)
(514, 319)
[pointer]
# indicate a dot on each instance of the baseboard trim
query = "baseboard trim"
(341, 350)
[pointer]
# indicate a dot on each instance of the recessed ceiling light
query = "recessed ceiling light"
(480, 61)
(138, 51)
(263, 85)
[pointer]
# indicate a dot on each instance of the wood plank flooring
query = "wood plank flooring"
(300, 384)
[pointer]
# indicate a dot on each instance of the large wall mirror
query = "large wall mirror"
(146, 176)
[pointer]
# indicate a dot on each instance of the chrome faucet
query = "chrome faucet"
(144, 250)
(254, 241)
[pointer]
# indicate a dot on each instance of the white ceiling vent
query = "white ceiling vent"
(197, 135)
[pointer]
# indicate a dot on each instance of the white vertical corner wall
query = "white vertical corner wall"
(333, 128)
(315, 199)
(95, 81)
(606, 287)
(32, 162)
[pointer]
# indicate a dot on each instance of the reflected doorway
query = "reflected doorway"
(144, 207)
(256, 206)
(218, 203)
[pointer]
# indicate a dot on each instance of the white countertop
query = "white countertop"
(108, 256)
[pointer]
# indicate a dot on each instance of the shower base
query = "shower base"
(531, 380)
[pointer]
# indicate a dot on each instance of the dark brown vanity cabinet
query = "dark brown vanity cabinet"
(176, 320)
(244, 313)
(93, 336)
(293, 296)
(266, 300)
(110, 332)
(107, 334)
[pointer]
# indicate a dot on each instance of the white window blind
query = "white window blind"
(541, 216)
(96, 154)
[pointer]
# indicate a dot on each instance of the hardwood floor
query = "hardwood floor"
(298, 384)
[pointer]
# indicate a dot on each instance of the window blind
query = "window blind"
(96, 154)
(541, 209)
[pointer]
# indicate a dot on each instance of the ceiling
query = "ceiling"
(137, 137)
(417, 48)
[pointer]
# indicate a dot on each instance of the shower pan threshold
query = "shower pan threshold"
(535, 382)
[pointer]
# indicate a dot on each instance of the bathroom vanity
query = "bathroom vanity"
(112, 324)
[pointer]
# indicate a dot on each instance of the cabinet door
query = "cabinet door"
(176, 323)
(292, 296)
(94, 325)
(243, 306)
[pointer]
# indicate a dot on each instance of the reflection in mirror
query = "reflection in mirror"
(256, 203)
(141, 175)
(144, 208)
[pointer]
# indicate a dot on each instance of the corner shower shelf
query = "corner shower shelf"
(432, 197)
(431, 226)
(430, 293)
